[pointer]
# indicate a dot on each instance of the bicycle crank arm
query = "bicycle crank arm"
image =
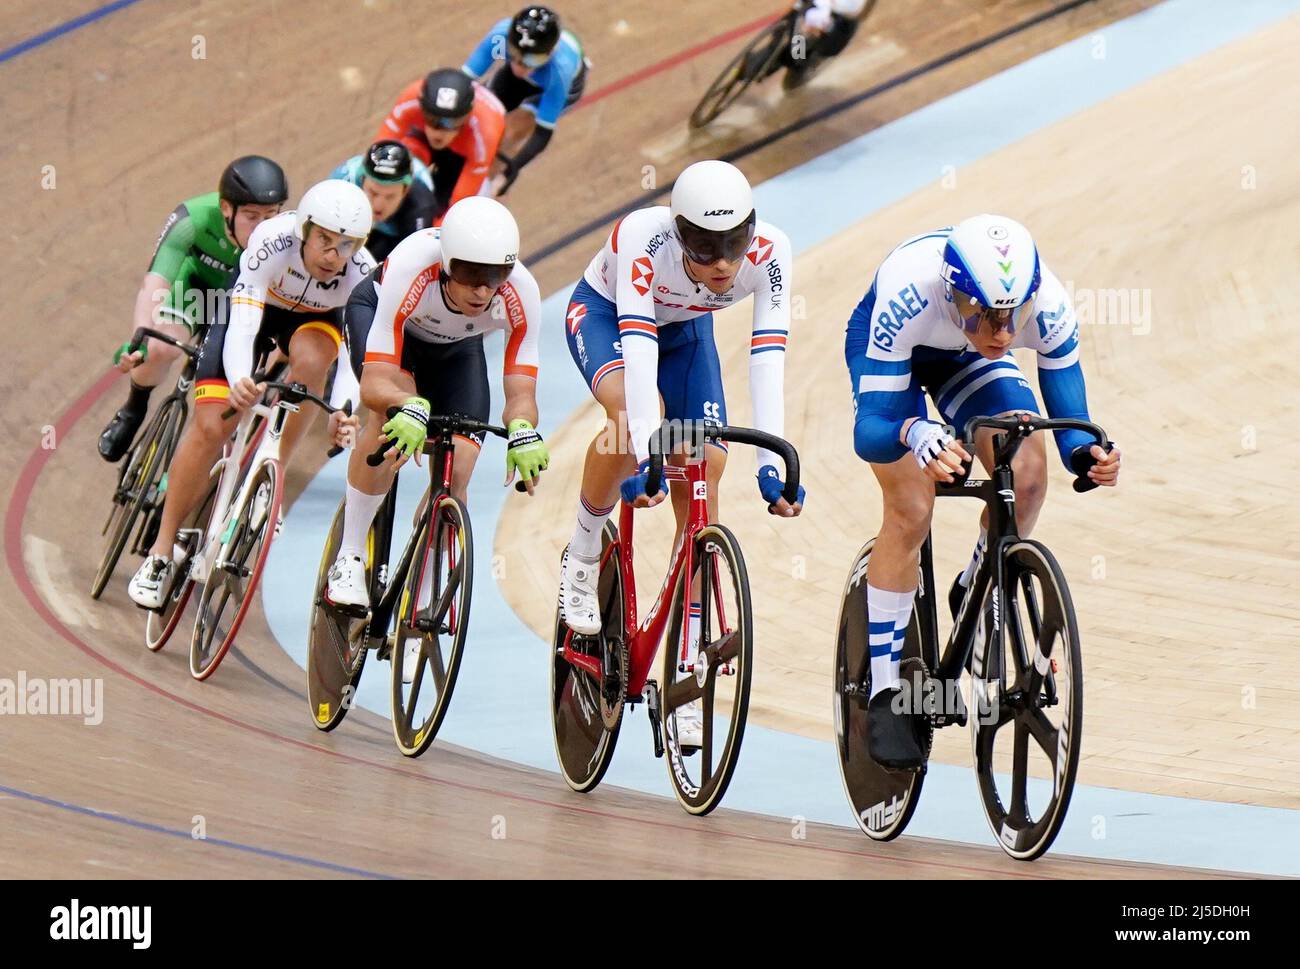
(651, 694)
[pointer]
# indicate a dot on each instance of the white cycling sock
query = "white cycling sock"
(888, 614)
(980, 546)
(585, 543)
(358, 513)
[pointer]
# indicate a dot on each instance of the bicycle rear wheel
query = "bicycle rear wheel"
(433, 615)
(753, 62)
(1034, 687)
(137, 489)
(587, 696)
(237, 570)
(159, 626)
(337, 643)
(883, 800)
(718, 675)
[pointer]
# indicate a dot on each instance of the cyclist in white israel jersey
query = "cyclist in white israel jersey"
(943, 313)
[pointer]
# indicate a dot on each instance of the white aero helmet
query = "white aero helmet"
(713, 212)
(480, 242)
(337, 206)
(992, 262)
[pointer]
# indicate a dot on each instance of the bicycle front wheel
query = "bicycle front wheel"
(159, 626)
(710, 682)
(237, 570)
(1026, 707)
(431, 626)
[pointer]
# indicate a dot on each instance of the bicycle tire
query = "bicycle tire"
(247, 540)
(447, 531)
(698, 785)
(159, 626)
(1050, 611)
(734, 79)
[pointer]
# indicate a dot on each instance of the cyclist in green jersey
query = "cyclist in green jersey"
(196, 255)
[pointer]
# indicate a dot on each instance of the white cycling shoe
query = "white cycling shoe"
(151, 582)
(689, 719)
(579, 603)
(346, 583)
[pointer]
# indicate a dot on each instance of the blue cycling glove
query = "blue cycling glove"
(770, 485)
(633, 487)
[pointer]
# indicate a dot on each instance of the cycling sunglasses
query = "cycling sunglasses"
(477, 274)
(445, 124)
(705, 247)
(973, 314)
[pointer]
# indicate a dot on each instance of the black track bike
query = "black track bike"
(1016, 632)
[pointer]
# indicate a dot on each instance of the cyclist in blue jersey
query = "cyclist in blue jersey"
(942, 315)
(544, 73)
(400, 190)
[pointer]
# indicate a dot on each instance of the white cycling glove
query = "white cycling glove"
(927, 441)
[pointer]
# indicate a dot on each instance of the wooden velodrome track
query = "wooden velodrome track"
(1200, 547)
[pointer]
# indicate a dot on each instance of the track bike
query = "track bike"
(593, 678)
(223, 561)
(424, 598)
(142, 476)
(757, 61)
(1015, 631)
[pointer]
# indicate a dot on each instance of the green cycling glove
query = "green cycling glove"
(408, 428)
(526, 452)
(126, 349)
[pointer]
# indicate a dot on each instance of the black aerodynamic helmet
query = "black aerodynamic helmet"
(447, 94)
(387, 161)
(534, 33)
(253, 180)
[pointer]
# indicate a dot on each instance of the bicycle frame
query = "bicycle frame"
(229, 465)
(643, 639)
(443, 454)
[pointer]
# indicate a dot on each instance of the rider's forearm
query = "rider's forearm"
(153, 293)
(521, 400)
(878, 438)
(381, 389)
(1065, 396)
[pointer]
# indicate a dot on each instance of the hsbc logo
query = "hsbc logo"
(760, 251)
(642, 274)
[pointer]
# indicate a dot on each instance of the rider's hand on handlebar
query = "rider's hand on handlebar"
(408, 428)
(937, 452)
(526, 453)
(770, 487)
(633, 488)
(126, 361)
(343, 429)
(244, 393)
(1106, 471)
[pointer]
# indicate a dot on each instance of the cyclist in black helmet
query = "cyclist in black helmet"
(400, 189)
(543, 72)
(197, 252)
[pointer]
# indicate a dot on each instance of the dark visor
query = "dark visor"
(476, 274)
(705, 246)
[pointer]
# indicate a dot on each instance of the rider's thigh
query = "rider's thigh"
(311, 352)
(467, 452)
(908, 500)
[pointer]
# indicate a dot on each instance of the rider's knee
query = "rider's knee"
(907, 513)
(1031, 478)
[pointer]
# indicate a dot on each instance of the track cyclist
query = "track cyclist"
(294, 278)
(417, 347)
(454, 126)
(943, 314)
(400, 190)
(196, 254)
(544, 73)
(827, 28)
(640, 328)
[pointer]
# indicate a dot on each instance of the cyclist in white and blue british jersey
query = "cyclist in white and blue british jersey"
(943, 313)
(542, 74)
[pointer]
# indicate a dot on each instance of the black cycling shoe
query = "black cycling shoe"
(116, 439)
(892, 741)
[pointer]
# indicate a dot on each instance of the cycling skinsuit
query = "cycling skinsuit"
(196, 257)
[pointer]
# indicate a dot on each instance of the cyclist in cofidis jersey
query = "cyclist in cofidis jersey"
(400, 190)
(943, 314)
(542, 74)
(294, 278)
(415, 329)
(640, 328)
(454, 126)
(196, 254)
